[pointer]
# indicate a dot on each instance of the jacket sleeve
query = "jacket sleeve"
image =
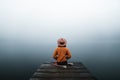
(55, 54)
(68, 55)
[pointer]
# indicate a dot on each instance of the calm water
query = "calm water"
(18, 61)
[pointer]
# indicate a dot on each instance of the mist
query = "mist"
(37, 20)
(29, 30)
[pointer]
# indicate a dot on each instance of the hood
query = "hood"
(62, 42)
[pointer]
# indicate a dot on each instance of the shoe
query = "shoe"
(70, 64)
(64, 66)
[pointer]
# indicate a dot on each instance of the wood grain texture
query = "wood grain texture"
(48, 71)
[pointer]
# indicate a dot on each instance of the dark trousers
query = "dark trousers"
(62, 63)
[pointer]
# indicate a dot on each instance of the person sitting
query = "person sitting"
(61, 53)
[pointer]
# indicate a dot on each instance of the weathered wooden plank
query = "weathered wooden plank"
(50, 66)
(90, 78)
(63, 70)
(80, 67)
(60, 68)
(59, 75)
(48, 71)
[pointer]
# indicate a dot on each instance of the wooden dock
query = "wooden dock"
(48, 71)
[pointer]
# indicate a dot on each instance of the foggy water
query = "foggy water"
(29, 30)
(18, 61)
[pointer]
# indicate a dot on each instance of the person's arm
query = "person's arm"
(68, 54)
(55, 54)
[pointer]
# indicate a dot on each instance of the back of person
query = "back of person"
(61, 53)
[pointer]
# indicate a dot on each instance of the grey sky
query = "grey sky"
(50, 19)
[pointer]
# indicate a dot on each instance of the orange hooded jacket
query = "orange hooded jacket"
(61, 54)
